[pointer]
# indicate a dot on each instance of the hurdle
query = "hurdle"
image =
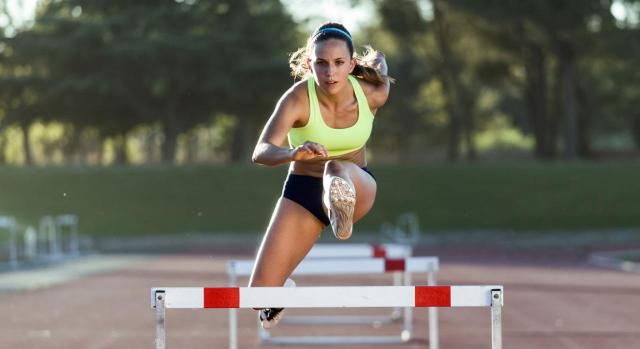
(163, 298)
(360, 250)
(347, 266)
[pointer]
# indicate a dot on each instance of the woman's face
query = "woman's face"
(331, 63)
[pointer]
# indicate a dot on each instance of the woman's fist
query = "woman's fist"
(309, 151)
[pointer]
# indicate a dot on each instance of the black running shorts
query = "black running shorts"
(307, 192)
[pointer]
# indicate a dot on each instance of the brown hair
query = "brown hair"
(366, 68)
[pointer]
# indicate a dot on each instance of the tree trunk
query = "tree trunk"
(120, 150)
(192, 148)
(243, 141)
(468, 124)
(567, 81)
(535, 63)
(635, 129)
(585, 105)
(459, 101)
(26, 145)
(453, 144)
(170, 144)
(3, 146)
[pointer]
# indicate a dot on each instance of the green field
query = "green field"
(145, 200)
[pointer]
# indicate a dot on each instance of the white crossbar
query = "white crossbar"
(326, 297)
(347, 266)
(359, 250)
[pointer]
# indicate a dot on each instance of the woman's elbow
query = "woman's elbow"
(256, 158)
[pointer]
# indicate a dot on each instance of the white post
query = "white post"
(233, 313)
(9, 223)
(70, 221)
(496, 319)
(408, 313)
(13, 247)
(48, 228)
(160, 317)
(396, 313)
(30, 243)
(433, 317)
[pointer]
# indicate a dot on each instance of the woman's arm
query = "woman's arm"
(377, 94)
(289, 110)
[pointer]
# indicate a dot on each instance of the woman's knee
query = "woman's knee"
(262, 280)
(333, 167)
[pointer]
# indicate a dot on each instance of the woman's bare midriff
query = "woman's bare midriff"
(315, 168)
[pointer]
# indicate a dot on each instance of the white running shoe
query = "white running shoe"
(341, 202)
(269, 317)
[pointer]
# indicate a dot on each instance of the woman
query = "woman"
(328, 117)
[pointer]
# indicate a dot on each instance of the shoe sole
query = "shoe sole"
(269, 324)
(342, 201)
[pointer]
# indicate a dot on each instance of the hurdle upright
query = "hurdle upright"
(163, 298)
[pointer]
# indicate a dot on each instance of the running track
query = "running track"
(565, 305)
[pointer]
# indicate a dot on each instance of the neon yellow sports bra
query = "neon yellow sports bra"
(337, 141)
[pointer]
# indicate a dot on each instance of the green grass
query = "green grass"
(144, 200)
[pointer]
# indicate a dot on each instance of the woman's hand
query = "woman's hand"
(309, 151)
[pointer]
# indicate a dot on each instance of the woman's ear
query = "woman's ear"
(308, 62)
(352, 65)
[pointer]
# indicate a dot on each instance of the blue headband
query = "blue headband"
(324, 30)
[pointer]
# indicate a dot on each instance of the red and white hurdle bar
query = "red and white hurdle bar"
(328, 297)
(347, 266)
(359, 250)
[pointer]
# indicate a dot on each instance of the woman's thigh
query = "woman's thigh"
(291, 233)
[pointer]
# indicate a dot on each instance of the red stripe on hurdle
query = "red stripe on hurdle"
(224, 297)
(379, 251)
(433, 296)
(394, 265)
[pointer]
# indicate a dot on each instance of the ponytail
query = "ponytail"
(368, 68)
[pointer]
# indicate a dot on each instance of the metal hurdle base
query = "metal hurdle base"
(338, 340)
(341, 320)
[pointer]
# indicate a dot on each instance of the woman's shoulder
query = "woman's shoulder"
(296, 98)
(297, 92)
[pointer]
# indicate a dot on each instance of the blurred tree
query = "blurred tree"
(460, 100)
(17, 86)
(403, 21)
(550, 38)
(113, 65)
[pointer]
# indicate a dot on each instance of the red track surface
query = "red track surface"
(565, 305)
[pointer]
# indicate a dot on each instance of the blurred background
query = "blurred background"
(139, 117)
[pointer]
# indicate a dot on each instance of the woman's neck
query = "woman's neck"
(343, 96)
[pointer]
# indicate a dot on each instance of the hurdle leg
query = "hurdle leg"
(433, 317)
(233, 328)
(496, 319)
(160, 316)
(233, 313)
(13, 248)
(396, 312)
(407, 333)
